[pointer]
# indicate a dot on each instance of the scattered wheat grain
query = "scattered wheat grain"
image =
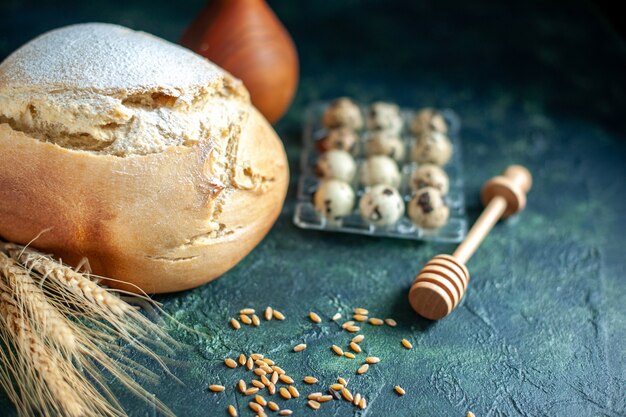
(265, 380)
(255, 320)
(355, 347)
(336, 317)
(349, 355)
(338, 351)
(314, 317)
(242, 386)
(363, 403)
(273, 406)
(353, 329)
(342, 381)
(300, 347)
(376, 322)
(337, 387)
(278, 369)
(247, 311)
(286, 379)
(230, 363)
(217, 388)
(347, 324)
(235, 324)
(313, 404)
(362, 369)
(293, 391)
(314, 395)
(232, 411)
(251, 391)
(285, 412)
(245, 319)
(269, 312)
(260, 400)
(407, 344)
(278, 315)
(284, 392)
(257, 383)
(310, 380)
(372, 360)
(391, 322)
(324, 398)
(361, 311)
(359, 317)
(346, 394)
(399, 390)
(358, 338)
(255, 407)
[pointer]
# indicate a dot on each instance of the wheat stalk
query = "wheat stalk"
(57, 321)
(81, 290)
(99, 297)
(51, 324)
(33, 352)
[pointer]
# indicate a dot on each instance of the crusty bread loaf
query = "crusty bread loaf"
(135, 153)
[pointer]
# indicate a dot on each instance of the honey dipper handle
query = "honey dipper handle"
(502, 196)
(488, 218)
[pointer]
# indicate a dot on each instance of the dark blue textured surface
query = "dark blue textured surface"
(541, 331)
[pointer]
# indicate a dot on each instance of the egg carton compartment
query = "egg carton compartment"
(306, 217)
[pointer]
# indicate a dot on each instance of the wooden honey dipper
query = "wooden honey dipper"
(440, 285)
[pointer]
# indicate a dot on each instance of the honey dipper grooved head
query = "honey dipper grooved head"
(438, 287)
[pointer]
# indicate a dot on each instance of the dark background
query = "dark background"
(541, 331)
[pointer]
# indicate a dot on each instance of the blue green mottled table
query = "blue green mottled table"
(541, 331)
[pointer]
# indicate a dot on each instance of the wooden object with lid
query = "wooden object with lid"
(246, 38)
(442, 282)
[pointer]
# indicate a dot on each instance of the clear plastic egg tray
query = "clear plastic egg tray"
(306, 217)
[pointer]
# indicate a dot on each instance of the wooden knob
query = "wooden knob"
(512, 185)
(439, 287)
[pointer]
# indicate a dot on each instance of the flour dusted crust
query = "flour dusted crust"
(135, 153)
(109, 89)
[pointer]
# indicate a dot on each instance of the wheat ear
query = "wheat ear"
(50, 323)
(47, 290)
(54, 395)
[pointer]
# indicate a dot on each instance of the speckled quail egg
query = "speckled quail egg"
(336, 164)
(380, 170)
(428, 209)
(334, 199)
(384, 116)
(431, 147)
(343, 112)
(428, 120)
(341, 138)
(430, 175)
(385, 143)
(381, 205)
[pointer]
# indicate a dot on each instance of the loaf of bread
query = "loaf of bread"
(136, 154)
